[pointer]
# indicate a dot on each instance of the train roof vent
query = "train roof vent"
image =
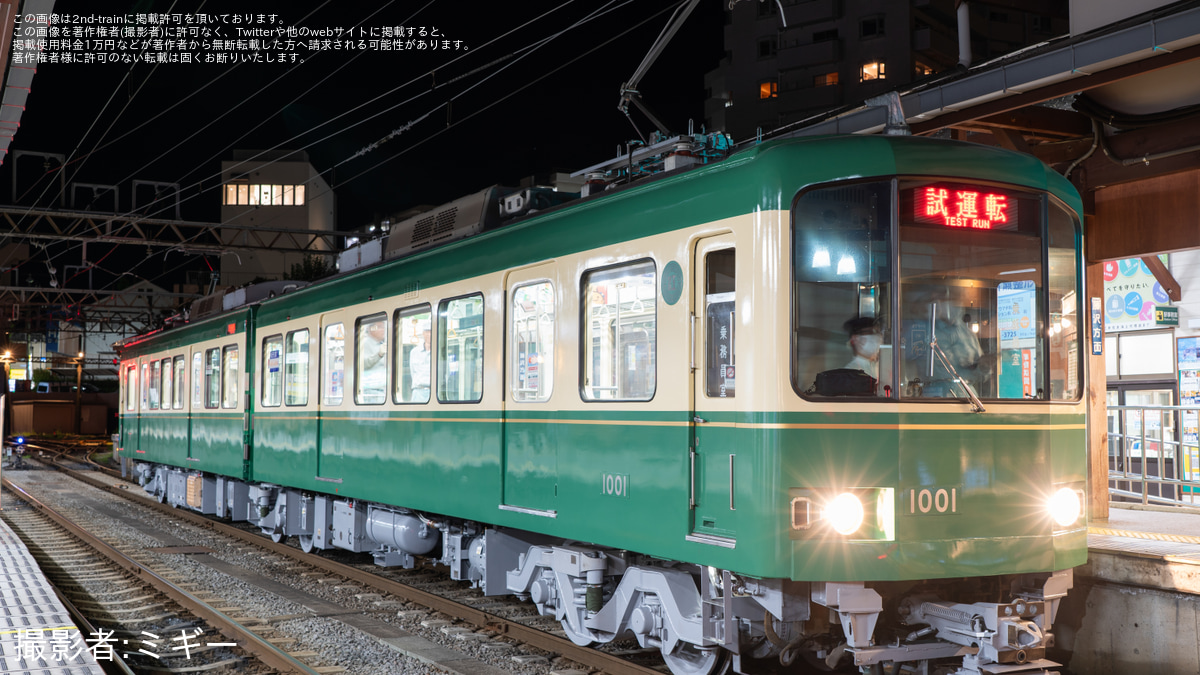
(211, 305)
(461, 218)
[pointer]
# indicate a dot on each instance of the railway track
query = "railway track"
(140, 620)
(394, 606)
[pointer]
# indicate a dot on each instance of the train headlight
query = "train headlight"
(845, 513)
(1066, 506)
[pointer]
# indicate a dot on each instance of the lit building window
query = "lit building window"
(825, 80)
(923, 69)
(768, 89)
(872, 71)
(241, 194)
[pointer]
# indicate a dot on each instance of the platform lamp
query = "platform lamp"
(79, 393)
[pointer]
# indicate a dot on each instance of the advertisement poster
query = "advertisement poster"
(1189, 396)
(1131, 295)
(1016, 309)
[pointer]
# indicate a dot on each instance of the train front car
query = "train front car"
(887, 430)
(933, 464)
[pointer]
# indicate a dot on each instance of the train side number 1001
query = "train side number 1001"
(933, 500)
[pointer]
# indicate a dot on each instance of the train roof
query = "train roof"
(763, 177)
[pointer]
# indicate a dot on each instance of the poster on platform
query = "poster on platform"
(1188, 354)
(1131, 295)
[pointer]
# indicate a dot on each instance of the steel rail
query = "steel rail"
(249, 641)
(608, 663)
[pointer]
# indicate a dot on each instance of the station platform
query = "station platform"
(1135, 607)
(37, 634)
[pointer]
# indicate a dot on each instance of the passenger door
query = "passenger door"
(530, 445)
(714, 452)
(332, 396)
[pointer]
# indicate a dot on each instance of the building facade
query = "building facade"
(277, 189)
(821, 55)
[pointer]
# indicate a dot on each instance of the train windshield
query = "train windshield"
(931, 289)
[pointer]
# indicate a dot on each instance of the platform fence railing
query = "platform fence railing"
(1154, 454)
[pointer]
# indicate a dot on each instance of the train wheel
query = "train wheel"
(306, 542)
(161, 496)
(688, 659)
(276, 537)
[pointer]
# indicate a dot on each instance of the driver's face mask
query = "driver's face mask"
(867, 345)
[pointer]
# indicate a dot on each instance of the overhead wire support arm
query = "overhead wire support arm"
(629, 89)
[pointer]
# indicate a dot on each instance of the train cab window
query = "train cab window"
(414, 348)
(1065, 313)
(229, 378)
(620, 333)
(719, 313)
(155, 383)
(371, 361)
(168, 385)
(295, 368)
(333, 380)
(973, 304)
(180, 382)
(212, 378)
(963, 308)
(460, 350)
(131, 388)
(272, 371)
(532, 343)
(841, 299)
(197, 380)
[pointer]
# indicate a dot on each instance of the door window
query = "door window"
(335, 364)
(533, 341)
(719, 326)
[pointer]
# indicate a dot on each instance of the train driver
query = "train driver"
(865, 341)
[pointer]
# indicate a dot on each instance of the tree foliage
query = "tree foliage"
(313, 267)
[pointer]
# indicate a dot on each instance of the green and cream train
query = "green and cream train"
(821, 398)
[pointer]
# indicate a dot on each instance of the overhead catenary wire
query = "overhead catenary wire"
(356, 108)
(531, 47)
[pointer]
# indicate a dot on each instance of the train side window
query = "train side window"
(371, 362)
(155, 380)
(414, 348)
(168, 384)
(333, 380)
(295, 368)
(620, 333)
(460, 350)
(719, 313)
(197, 380)
(131, 388)
(272, 371)
(533, 341)
(229, 377)
(145, 388)
(180, 381)
(212, 378)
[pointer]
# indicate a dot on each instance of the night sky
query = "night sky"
(122, 122)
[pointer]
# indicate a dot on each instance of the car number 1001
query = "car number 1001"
(930, 500)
